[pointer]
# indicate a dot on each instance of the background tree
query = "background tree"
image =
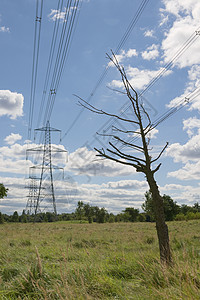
(15, 217)
(196, 207)
(1, 218)
(171, 208)
(80, 210)
(3, 191)
(132, 213)
(140, 126)
(147, 206)
(23, 217)
(89, 212)
(101, 215)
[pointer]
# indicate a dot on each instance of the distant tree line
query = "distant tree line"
(87, 213)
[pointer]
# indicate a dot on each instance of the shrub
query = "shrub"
(180, 217)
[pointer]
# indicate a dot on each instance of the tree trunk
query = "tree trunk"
(161, 226)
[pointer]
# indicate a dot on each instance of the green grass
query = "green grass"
(97, 261)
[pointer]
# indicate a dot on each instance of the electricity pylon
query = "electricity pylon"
(45, 189)
(33, 190)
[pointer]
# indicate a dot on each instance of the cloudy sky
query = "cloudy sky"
(162, 43)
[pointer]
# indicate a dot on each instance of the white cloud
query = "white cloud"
(126, 184)
(149, 33)
(189, 153)
(190, 124)
(11, 104)
(17, 166)
(179, 7)
(191, 94)
(85, 162)
(139, 79)
(131, 53)
(115, 195)
(164, 19)
(4, 29)
(62, 15)
(151, 52)
(186, 13)
(183, 194)
(152, 134)
(191, 171)
(175, 187)
(184, 153)
(13, 157)
(12, 138)
(123, 56)
(14, 151)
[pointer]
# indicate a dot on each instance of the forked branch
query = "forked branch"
(90, 107)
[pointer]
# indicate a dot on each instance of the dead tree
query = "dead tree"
(142, 161)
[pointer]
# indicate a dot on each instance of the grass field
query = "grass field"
(97, 261)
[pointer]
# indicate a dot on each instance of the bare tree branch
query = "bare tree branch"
(100, 111)
(138, 148)
(126, 155)
(114, 159)
(156, 169)
(117, 91)
(123, 157)
(160, 153)
(125, 131)
(148, 117)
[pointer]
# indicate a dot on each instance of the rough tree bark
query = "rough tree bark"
(142, 122)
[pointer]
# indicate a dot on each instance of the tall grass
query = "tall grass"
(97, 261)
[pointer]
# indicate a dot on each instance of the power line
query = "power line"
(171, 111)
(59, 51)
(105, 71)
(36, 47)
(63, 49)
(50, 60)
(195, 35)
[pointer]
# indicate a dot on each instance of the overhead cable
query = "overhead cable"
(63, 50)
(126, 106)
(105, 71)
(50, 60)
(36, 47)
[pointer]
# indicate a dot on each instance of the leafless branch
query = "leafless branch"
(126, 155)
(160, 153)
(148, 117)
(123, 157)
(125, 131)
(117, 91)
(156, 169)
(125, 80)
(123, 142)
(114, 159)
(100, 111)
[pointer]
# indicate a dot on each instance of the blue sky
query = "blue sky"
(160, 32)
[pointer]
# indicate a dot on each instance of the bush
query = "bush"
(190, 216)
(180, 217)
(141, 218)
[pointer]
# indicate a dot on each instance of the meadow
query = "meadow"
(64, 260)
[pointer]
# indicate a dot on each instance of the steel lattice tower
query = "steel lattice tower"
(45, 189)
(32, 197)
